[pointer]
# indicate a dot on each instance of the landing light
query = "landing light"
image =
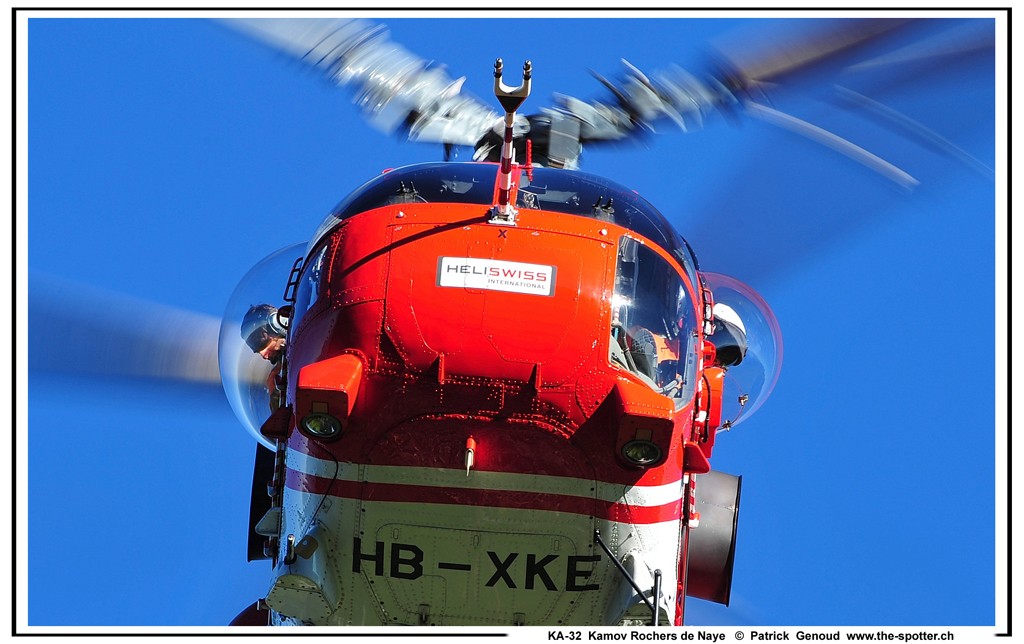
(642, 453)
(320, 425)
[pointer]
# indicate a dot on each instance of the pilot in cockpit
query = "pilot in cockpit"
(730, 336)
(264, 333)
(656, 356)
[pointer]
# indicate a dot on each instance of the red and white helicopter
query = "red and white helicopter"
(497, 384)
(501, 380)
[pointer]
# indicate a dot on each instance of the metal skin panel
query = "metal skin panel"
(528, 566)
(421, 535)
(497, 333)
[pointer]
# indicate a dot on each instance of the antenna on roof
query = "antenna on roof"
(510, 98)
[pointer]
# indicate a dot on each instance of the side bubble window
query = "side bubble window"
(654, 322)
(244, 372)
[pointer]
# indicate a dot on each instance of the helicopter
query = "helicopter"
(471, 459)
(499, 382)
(445, 455)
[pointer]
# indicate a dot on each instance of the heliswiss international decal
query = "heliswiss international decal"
(496, 275)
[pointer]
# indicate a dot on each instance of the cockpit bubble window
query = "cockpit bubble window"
(654, 322)
(565, 191)
(243, 372)
(748, 384)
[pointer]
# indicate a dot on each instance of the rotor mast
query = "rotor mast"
(510, 98)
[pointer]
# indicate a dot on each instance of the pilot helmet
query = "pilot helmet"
(261, 324)
(730, 336)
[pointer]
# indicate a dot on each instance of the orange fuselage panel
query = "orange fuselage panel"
(479, 325)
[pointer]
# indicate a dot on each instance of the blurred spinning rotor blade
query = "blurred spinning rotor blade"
(397, 90)
(828, 139)
(910, 128)
(76, 328)
(820, 42)
(890, 53)
(940, 73)
(957, 42)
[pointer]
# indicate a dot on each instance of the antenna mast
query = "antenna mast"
(510, 98)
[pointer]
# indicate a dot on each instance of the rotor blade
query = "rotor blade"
(837, 143)
(76, 328)
(683, 97)
(912, 129)
(956, 42)
(744, 77)
(397, 90)
(818, 42)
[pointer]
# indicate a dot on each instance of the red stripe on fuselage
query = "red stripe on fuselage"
(511, 499)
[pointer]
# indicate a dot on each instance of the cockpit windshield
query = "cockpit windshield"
(565, 191)
(654, 322)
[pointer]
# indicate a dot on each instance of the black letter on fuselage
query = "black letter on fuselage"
(377, 557)
(535, 568)
(415, 561)
(572, 574)
(501, 569)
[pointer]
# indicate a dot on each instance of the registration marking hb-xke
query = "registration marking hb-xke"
(405, 561)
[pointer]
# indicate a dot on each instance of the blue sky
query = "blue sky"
(166, 157)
